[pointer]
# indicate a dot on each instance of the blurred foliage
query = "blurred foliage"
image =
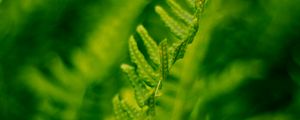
(60, 59)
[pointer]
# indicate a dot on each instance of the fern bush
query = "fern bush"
(146, 78)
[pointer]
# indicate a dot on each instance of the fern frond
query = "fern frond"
(164, 58)
(132, 113)
(119, 111)
(177, 50)
(124, 111)
(150, 44)
(162, 55)
(140, 90)
(180, 12)
(176, 27)
(164, 66)
(144, 70)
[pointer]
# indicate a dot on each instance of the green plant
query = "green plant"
(146, 76)
(60, 60)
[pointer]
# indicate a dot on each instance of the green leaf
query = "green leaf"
(150, 44)
(176, 27)
(144, 70)
(161, 55)
(164, 66)
(140, 90)
(132, 113)
(120, 113)
(180, 12)
(124, 111)
(178, 48)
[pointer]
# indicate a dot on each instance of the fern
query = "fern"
(66, 66)
(144, 78)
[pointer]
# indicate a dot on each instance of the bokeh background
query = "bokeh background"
(60, 60)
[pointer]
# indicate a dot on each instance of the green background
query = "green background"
(60, 59)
